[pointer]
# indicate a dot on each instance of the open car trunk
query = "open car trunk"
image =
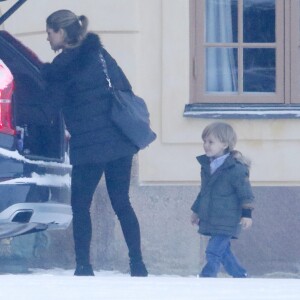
(36, 132)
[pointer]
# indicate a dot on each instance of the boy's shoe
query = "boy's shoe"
(84, 270)
(201, 275)
(138, 269)
(245, 275)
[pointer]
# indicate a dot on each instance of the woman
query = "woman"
(80, 88)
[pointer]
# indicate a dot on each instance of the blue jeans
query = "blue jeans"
(218, 252)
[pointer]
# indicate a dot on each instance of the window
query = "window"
(242, 51)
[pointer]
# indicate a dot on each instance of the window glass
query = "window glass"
(259, 21)
(221, 21)
(259, 70)
(257, 64)
(221, 70)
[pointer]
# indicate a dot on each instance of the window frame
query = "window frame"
(293, 30)
(197, 62)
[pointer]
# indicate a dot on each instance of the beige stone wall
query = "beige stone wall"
(150, 40)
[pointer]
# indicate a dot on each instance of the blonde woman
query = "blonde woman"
(80, 89)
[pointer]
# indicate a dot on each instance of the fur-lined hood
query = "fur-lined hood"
(90, 43)
(72, 58)
(234, 157)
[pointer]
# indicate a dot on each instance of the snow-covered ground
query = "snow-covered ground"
(62, 285)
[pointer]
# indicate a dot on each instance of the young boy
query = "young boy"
(224, 204)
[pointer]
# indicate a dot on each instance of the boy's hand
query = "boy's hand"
(246, 223)
(194, 219)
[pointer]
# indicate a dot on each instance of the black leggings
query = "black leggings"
(85, 179)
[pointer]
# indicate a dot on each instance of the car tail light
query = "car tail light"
(6, 91)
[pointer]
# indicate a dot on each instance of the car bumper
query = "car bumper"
(24, 218)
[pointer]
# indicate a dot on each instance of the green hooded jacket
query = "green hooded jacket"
(222, 196)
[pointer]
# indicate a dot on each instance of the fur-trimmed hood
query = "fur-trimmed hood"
(235, 156)
(72, 58)
(90, 43)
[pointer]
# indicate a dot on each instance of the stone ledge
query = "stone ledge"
(242, 111)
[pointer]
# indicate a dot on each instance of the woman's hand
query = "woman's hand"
(246, 223)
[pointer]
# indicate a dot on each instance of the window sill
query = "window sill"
(242, 111)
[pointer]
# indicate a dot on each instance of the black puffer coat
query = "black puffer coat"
(222, 197)
(77, 85)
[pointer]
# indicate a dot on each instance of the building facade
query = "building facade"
(195, 61)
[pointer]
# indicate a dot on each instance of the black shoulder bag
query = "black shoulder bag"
(130, 114)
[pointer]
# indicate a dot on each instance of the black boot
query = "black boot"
(131, 231)
(138, 269)
(84, 270)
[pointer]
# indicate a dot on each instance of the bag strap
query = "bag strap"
(111, 87)
(104, 65)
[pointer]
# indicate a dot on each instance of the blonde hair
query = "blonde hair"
(225, 134)
(74, 26)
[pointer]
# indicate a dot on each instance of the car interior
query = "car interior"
(40, 130)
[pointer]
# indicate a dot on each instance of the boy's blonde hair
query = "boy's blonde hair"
(223, 132)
